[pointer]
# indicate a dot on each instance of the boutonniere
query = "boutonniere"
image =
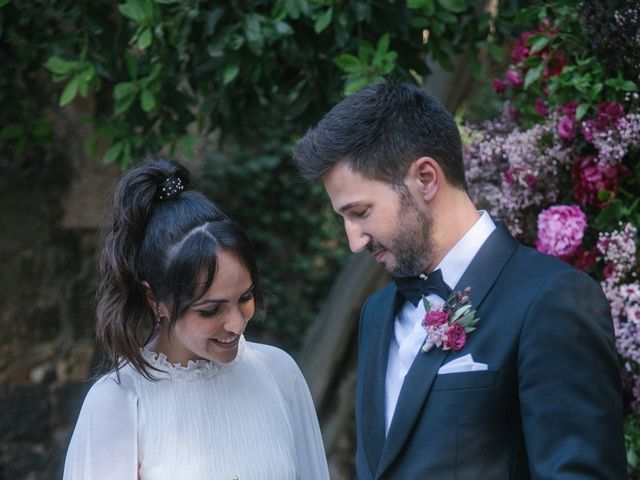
(447, 325)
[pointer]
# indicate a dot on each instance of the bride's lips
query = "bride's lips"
(228, 343)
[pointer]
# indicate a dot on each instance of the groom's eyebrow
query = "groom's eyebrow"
(349, 206)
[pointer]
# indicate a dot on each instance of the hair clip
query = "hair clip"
(171, 187)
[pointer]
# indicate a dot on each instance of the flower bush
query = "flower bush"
(561, 165)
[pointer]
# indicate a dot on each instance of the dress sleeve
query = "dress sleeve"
(311, 461)
(104, 441)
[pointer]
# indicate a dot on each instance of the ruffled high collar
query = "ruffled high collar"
(195, 369)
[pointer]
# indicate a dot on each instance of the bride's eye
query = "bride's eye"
(247, 297)
(209, 313)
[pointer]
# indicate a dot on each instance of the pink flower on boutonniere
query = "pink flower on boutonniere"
(435, 318)
(456, 337)
(447, 325)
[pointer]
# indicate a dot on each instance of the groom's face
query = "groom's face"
(384, 220)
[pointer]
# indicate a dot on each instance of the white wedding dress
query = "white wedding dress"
(251, 419)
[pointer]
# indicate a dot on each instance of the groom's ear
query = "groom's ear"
(426, 174)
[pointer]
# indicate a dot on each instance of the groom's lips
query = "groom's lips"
(379, 254)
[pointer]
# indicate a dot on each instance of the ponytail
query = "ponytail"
(124, 318)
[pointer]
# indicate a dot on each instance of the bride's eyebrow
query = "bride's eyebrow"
(206, 301)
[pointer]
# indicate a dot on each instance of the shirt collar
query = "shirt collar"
(459, 257)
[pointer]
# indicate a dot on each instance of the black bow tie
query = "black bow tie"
(413, 288)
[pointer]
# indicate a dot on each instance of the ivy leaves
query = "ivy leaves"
(370, 65)
(161, 67)
(80, 75)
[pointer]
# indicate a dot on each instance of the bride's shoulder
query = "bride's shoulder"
(275, 358)
(111, 391)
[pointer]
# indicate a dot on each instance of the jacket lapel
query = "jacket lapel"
(484, 269)
(374, 374)
(480, 276)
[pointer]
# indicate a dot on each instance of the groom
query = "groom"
(534, 391)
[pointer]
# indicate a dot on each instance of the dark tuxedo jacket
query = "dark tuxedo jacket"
(548, 407)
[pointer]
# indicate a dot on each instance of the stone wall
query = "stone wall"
(50, 215)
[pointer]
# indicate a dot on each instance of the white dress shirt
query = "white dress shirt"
(409, 334)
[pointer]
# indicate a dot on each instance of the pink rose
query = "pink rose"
(541, 107)
(609, 270)
(514, 78)
(566, 128)
(520, 51)
(555, 65)
(591, 177)
(498, 86)
(569, 108)
(455, 337)
(583, 259)
(607, 114)
(561, 230)
(508, 176)
(435, 318)
(531, 180)
(519, 174)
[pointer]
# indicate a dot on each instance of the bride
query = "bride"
(195, 401)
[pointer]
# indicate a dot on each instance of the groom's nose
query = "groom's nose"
(358, 240)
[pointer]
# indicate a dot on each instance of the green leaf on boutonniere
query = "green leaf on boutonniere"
(468, 319)
(462, 311)
(427, 305)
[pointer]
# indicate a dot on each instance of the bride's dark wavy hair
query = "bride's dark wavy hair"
(170, 243)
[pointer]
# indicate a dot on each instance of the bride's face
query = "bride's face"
(211, 328)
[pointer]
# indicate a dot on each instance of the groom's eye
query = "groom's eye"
(360, 213)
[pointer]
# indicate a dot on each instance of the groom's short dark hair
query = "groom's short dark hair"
(379, 131)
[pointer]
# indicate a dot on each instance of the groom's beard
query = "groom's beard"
(412, 248)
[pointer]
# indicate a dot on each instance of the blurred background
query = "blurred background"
(545, 94)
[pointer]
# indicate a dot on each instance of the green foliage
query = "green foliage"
(254, 74)
(632, 440)
(158, 67)
(559, 46)
(371, 65)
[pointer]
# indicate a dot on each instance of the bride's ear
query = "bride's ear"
(151, 298)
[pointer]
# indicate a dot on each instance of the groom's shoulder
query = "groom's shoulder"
(536, 260)
(541, 267)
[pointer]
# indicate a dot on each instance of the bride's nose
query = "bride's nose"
(236, 321)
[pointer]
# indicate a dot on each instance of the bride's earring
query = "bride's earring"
(158, 326)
